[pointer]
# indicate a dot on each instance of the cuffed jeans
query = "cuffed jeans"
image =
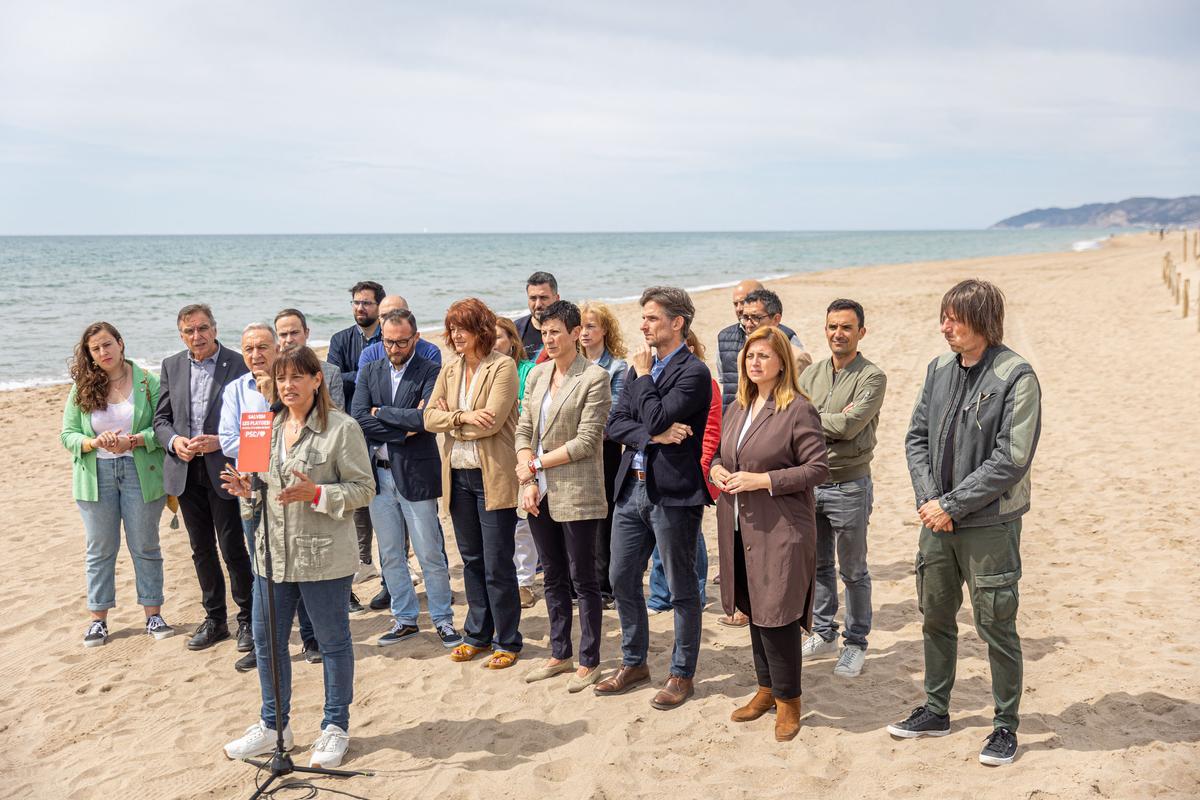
(120, 502)
(250, 528)
(329, 603)
(638, 525)
(485, 542)
(568, 551)
(660, 593)
(843, 510)
(989, 560)
(398, 521)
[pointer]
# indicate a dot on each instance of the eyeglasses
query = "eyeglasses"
(363, 303)
(398, 344)
(756, 319)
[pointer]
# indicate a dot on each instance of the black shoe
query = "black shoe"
(450, 637)
(397, 634)
(382, 600)
(355, 606)
(921, 722)
(209, 633)
(245, 638)
(999, 749)
(246, 663)
(608, 601)
(312, 652)
(97, 634)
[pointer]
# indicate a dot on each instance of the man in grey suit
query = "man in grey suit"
(186, 423)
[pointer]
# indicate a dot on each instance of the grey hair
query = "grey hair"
(260, 326)
(676, 302)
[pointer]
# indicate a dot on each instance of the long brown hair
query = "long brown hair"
(518, 347)
(91, 382)
(787, 387)
(304, 361)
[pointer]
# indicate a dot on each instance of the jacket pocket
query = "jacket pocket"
(920, 569)
(313, 555)
(997, 596)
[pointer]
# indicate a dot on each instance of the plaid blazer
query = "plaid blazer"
(575, 419)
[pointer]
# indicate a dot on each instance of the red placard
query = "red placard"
(254, 442)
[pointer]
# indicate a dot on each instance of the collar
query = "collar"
(663, 361)
(210, 360)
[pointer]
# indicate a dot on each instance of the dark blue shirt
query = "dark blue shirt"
(344, 349)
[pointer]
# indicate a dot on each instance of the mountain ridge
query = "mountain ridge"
(1133, 212)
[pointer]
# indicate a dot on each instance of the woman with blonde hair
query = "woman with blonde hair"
(772, 456)
(601, 343)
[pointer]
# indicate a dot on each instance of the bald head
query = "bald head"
(393, 302)
(739, 295)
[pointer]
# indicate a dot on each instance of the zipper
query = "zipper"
(949, 417)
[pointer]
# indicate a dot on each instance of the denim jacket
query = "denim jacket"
(616, 368)
(994, 409)
(306, 544)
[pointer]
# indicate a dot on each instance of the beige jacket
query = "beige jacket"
(497, 457)
(308, 545)
(576, 417)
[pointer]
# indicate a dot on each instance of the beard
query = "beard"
(365, 320)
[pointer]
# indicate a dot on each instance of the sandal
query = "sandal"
(466, 652)
(501, 659)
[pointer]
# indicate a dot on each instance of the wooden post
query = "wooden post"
(1178, 280)
(1186, 285)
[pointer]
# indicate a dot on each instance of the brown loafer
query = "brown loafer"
(674, 694)
(736, 620)
(787, 719)
(625, 679)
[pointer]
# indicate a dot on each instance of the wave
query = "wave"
(1087, 244)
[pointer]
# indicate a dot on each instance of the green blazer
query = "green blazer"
(77, 428)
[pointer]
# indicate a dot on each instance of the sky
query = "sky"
(305, 117)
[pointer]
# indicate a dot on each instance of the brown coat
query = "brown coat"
(497, 457)
(779, 529)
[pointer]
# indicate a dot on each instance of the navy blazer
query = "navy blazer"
(173, 415)
(683, 393)
(416, 463)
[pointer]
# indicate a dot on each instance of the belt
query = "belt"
(383, 463)
(640, 474)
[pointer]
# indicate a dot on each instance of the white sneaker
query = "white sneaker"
(258, 740)
(330, 746)
(850, 662)
(364, 572)
(816, 645)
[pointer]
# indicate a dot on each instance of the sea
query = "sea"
(54, 286)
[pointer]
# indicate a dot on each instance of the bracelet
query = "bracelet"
(317, 497)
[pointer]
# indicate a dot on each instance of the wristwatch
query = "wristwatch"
(535, 464)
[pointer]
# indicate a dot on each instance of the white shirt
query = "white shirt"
(464, 455)
(116, 417)
(541, 451)
(738, 446)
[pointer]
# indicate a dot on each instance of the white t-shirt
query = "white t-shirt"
(118, 417)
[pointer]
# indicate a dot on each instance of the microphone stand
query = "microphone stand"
(280, 763)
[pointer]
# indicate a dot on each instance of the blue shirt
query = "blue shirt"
(424, 348)
(202, 374)
(656, 369)
(240, 395)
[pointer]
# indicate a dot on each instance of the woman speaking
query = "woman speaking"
(772, 456)
(319, 474)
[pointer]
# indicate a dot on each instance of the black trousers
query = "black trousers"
(567, 552)
(612, 460)
(777, 657)
(362, 526)
(214, 522)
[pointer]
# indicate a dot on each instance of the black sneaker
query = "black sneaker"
(450, 637)
(397, 634)
(209, 633)
(921, 722)
(245, 638)
(97, 634)
(608, 601)
(157, 627)
(355, 606)
(999, 749)
(246, 663)
(381, 601)
(312, 652)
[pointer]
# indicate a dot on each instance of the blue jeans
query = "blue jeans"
(329, 604)
(397, 521)
(842, 513)
(485, 542)
(638, 525)
(660, 593)
(120, 501)
(249, 528)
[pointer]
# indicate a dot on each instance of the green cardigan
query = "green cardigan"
(77, 428)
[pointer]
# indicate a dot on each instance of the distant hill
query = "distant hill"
(1148, 212)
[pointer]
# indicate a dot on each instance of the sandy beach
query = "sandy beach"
(1110, 605)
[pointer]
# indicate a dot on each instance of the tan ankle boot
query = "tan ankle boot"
(761, 703)
(787, 719)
